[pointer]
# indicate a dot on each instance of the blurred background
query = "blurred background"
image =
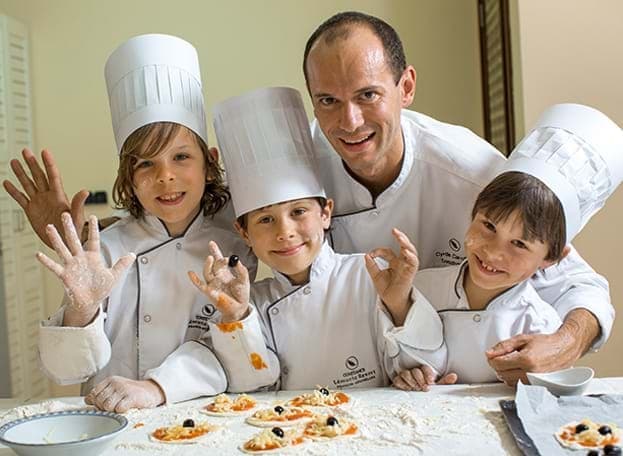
(489, 65)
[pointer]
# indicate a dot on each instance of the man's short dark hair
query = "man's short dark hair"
(538, 207)
(340, 26)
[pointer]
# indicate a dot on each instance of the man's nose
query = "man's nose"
(351, 117)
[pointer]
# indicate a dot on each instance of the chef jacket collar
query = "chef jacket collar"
(508, 299)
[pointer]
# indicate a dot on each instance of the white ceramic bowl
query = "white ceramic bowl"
(566, 382)
(70, 433)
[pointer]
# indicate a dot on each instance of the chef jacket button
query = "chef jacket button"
(178, 246)
(306, 290)
(374, 213)
(274, 311)
(147, 318)
(144, 260)
(477, 318)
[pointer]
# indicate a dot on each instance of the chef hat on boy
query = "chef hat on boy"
(578, 153)
(267, 150)
(154, 78)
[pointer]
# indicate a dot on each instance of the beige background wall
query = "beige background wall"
(242, 45)
(572, 51)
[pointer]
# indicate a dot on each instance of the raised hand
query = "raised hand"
(120, 394)
(394, 283)
(85, 276)
(44, 199)
(226, 284)
(421, 378)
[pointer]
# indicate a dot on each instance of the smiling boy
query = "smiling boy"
(328, 319)
(522, 222)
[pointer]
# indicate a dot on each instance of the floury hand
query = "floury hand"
(85, 276)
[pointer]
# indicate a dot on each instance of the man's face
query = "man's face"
(357, 101)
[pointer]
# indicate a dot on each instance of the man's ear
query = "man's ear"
(242, 232)
(407, 86)
(326, 212)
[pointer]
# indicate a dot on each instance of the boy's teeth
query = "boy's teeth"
(172, 197)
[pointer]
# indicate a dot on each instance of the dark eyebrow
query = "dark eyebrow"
(372, 88)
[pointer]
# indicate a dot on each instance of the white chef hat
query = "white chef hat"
(267, 148)
(154, 78)
(578, 153)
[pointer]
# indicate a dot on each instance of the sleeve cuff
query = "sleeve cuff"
(189, 372)
(241, 348)
(70, 355)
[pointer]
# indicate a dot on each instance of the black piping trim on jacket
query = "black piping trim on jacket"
(138, 281)
(270, 325)
(360, 211)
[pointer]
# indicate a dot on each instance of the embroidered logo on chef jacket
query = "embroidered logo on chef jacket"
(449, 257)
(208, 313)
(352, 362)
(354, 375)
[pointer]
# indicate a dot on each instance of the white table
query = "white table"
(457, 420)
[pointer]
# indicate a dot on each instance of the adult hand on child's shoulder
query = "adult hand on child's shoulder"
(43, 198)
(226, 284)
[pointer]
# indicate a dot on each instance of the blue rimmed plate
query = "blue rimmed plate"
(69, 433)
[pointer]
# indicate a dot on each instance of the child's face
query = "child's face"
(498, 256)
(288, 236)
(170, 185)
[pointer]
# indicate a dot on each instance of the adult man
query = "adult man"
(397, 168)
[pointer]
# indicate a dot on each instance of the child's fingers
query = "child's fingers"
(52, 265)
(242, 272)
(448, 379)
(215, 250)
(122, 264)
(418, 376)
(383, 252)
(372, 267)
(57, 243)
(71, 236)
(93, 241)
(429, 374)
(16, 194)
(194, 278)
(399, 383)
(208, 265)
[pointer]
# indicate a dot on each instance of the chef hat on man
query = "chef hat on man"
(578, 153)
(154, 78)
(267, 150)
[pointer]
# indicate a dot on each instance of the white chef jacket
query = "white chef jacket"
(334, 331)
(444, 168)
(155, 323)
(469, 333)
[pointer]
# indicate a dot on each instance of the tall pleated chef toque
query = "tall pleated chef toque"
(154, 78)
(267, 150)
(578, 153)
